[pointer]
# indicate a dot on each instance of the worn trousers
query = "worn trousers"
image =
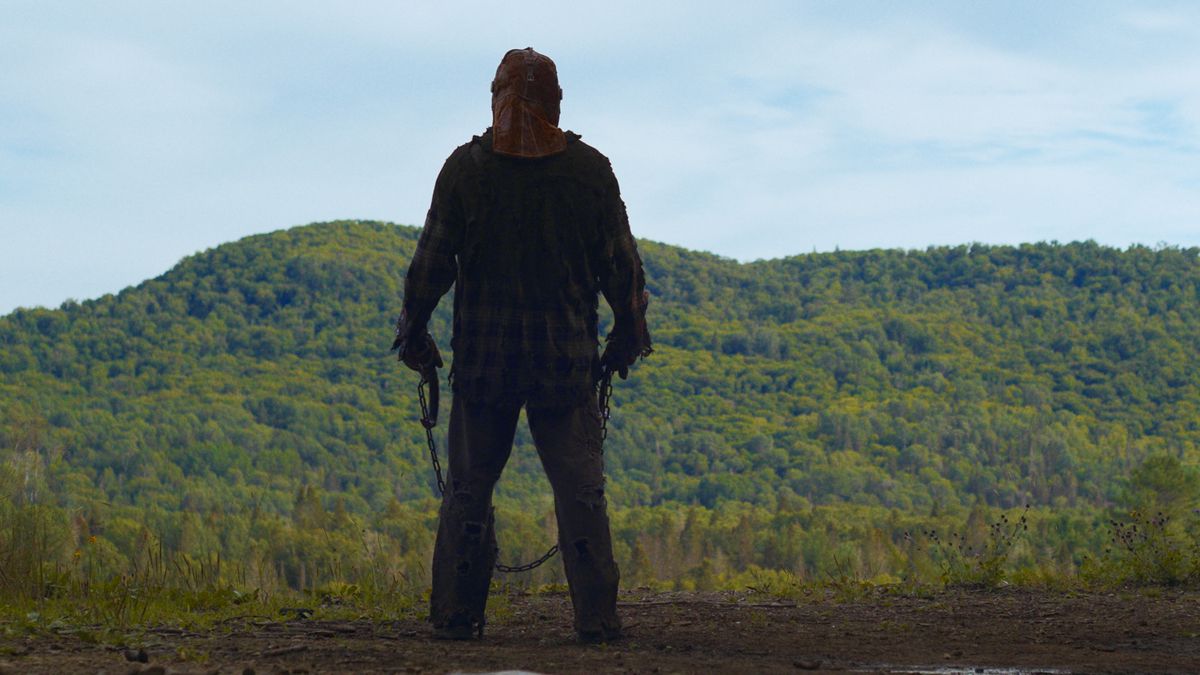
(569, 444)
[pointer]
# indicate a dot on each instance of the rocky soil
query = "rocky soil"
(1004, 631)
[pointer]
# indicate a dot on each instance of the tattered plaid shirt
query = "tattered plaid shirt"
(527, 244)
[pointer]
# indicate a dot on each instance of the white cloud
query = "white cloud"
(136, 134)
(1160, 21)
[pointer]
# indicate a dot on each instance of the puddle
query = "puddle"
(973, 670)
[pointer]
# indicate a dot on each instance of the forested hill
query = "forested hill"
(916, 380)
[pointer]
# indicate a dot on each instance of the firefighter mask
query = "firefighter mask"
(525, 106)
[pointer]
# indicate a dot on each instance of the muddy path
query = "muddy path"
(954, 631)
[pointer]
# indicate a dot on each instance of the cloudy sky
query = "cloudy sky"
(133, 134)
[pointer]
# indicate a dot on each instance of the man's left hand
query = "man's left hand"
(420, 353)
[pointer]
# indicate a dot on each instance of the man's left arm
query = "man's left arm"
(432, 271)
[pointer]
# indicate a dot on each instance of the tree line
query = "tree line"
(244, 402)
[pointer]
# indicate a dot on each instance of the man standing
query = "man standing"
(528, 224)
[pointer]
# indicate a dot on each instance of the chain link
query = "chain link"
(514, 569)
(606, 389)
(429, 423)
(604, 397)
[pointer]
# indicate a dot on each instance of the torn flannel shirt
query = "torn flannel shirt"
(527, 244)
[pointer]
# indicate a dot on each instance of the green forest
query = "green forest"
(833, 414)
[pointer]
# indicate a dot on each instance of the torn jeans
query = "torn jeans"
(569, 445)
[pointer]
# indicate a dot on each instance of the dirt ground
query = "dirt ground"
(1006, 631)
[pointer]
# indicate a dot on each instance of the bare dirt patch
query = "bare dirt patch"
(952, 631)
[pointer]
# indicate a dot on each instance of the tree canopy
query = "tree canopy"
(254, 378)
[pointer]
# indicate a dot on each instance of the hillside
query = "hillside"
(250, 387)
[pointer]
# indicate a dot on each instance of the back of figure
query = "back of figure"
(537, 237)
(528, 225)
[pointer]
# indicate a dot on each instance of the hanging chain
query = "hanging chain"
(514, 569)
(606, 389)
(429, 423)
(604, 397)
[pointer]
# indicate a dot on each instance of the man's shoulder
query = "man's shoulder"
(477, 144)
(466, 159)
(585, 151)
(591, 164)
(579, 159)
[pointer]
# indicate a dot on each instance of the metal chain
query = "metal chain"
(513, 569)
(606, 389)
(605, 396)
(429, 424)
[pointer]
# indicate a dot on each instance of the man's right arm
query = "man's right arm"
(623, 283)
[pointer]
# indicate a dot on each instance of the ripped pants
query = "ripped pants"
(569, 445)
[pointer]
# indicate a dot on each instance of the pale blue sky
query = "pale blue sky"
(133, 134)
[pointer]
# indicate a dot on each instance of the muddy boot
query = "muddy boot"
(600, 635)
(459, 627)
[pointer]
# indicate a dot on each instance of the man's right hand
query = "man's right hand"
(617, 358)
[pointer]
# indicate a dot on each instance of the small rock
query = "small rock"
(139, 655)
(807, 664)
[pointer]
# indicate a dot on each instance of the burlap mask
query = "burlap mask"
(525, 105)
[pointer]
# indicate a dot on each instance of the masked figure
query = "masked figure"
(528, 225)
